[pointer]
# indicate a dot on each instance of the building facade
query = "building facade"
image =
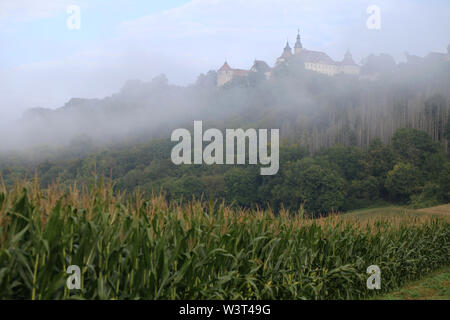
(226, 74)
(313, 60)
(319, 61)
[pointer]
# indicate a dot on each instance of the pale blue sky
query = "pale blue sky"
(49, 38)
(43, 64)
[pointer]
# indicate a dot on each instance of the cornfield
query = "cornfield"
(129, 247)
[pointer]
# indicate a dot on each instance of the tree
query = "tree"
(412, 145)
(185, 188)
(382, 63)
(435, 110)
(241, 186)
(319, 188)
(380, 159)
(402, 182)
(433, 166)
(447, 128)
(207, 81)
(214, 186)
(444, 183)
(348, 159)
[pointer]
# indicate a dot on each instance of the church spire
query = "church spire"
(288, 47)
(287, 52)
(298, 44)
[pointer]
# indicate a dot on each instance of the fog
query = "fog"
(62, 87)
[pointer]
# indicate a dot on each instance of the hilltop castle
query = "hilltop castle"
(313, 60)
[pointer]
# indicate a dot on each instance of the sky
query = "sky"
(44, 64)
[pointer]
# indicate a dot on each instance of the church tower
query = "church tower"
(287, 50)
(298, 44)
(348, 59)
(287, 53)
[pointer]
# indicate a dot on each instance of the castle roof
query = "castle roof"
(288, 47)
(287, 52)
(236, 72)
(260, 66)
(225, 67)
(316, 57)
(348, 60)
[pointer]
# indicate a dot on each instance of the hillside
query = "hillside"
(412, 169)
(432, 287)
(438, 210)
(310, 109)
(442, 211)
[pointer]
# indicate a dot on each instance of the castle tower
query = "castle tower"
(348, 59)
(224, 74)
(348, 65)
(287, 52)
(298, 44)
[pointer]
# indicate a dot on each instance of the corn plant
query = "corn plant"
(129, 247)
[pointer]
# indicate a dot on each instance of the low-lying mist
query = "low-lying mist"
(313, 109)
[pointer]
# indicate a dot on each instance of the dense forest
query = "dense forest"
(347, 141)
(411, 169)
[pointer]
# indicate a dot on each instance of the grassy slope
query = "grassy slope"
(436, 286)
(398, 211)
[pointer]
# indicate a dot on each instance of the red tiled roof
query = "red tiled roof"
(260, 66)
(316, 57)
(225, 67)
(240, 72)
(236, 72)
